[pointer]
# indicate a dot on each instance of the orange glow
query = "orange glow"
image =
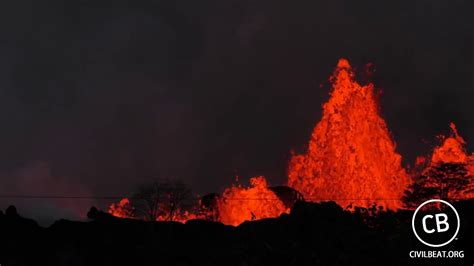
(351, 158)
(239, 204)
(180, 216)
(122, 209)
(420, 160)
(452, 150)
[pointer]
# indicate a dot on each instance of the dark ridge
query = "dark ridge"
(312, 234)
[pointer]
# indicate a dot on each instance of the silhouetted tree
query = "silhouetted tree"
(177, 197)
(209, 206)
(441, 181)
(147, 201)
(161, 199)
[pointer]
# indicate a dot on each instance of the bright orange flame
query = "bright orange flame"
(122, 209)
(180, 216)
(239, 204)
(351, 158)
(452, 150)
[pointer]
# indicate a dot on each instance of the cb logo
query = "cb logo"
(434, 226)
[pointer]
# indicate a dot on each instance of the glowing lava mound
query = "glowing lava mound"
(453, 151)
(351, 158)
(239, 204)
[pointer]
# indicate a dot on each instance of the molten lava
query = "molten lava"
(239, 204)
(122, 209)
(452, 151)
(351, 158)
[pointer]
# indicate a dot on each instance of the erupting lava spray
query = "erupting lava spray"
(122, 209)
(351, 158)
(451, 150)
(239, 204)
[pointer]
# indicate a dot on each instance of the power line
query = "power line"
(197, 198)
(60, 197)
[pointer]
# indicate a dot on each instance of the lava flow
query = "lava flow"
(351, 158)
(239, 204)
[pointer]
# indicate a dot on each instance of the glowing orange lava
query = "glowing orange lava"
(122, 209)
(180, 216)
(452, 150)
(239, 204)
(351, 158)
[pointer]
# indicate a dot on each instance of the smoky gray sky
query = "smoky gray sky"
(98, 97)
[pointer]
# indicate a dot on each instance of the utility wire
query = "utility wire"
(197, 198)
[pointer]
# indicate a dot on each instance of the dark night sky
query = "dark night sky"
(98, 97)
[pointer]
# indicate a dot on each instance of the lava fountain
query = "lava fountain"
(453, 151)
(351, 158)
(239, 204)
(122, 209)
